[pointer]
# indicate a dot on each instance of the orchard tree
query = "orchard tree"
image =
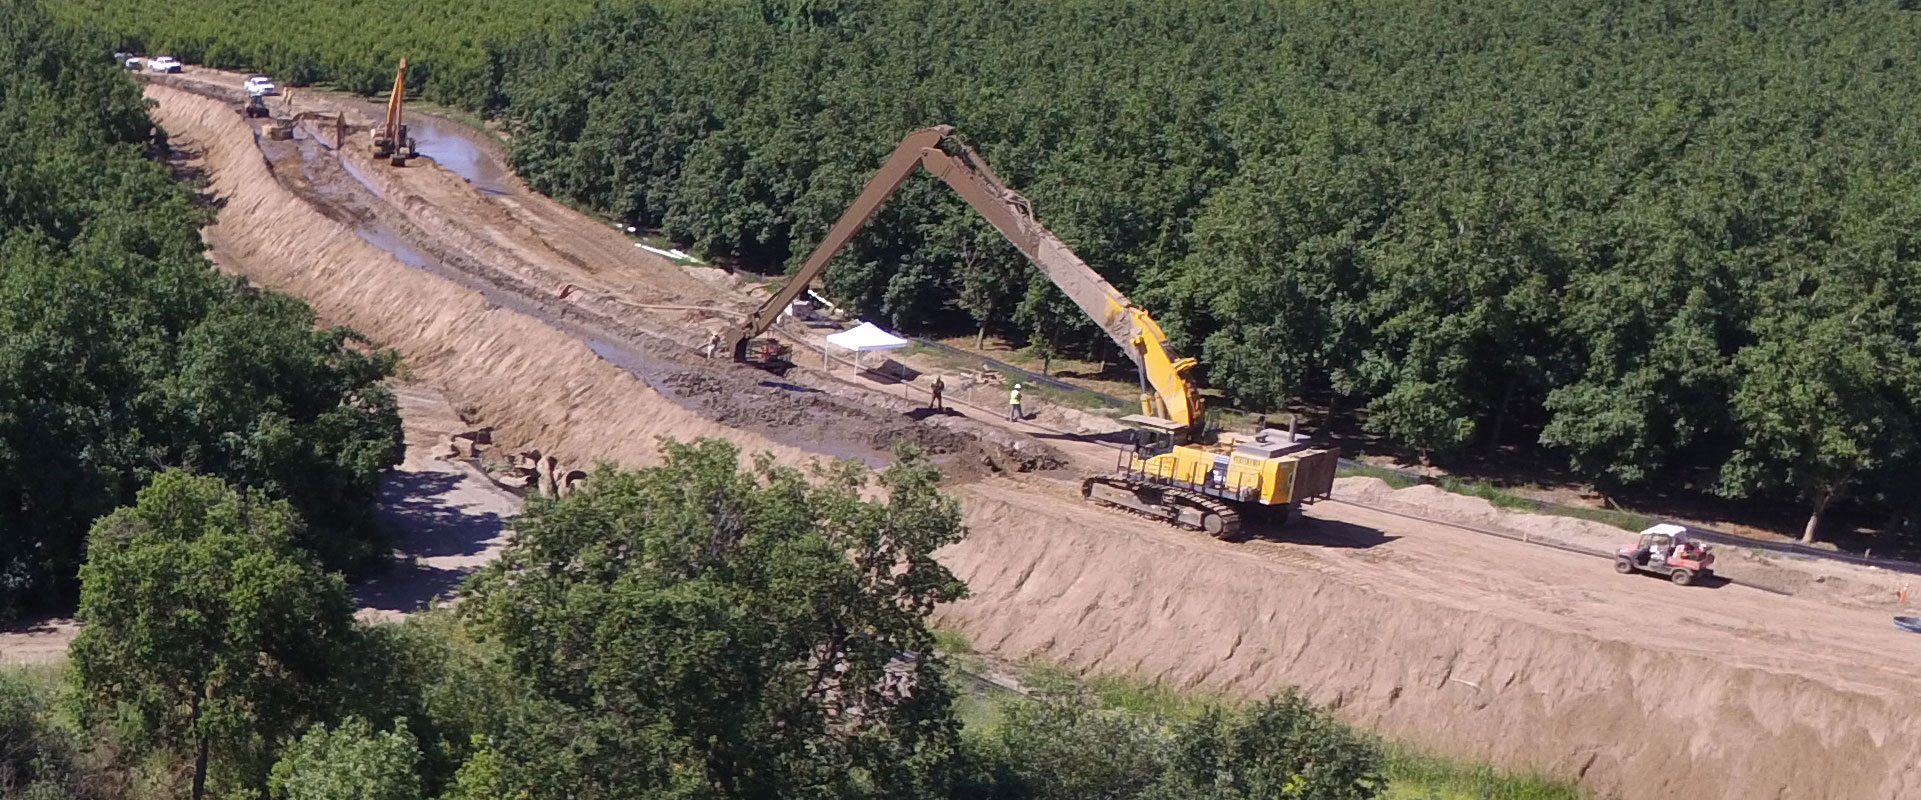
(695, 629)
(1820, 407)
(1280, 747)
(206, 629)
(350, 762)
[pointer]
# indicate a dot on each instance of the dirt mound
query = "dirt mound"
(1842, 584)
(1115, 595)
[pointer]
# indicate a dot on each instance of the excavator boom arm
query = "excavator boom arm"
(899, 167)
(1167, 391)
(394, 100)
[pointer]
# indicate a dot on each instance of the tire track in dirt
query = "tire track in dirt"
(1477, 668)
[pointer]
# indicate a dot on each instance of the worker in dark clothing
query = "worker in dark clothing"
(939, 386)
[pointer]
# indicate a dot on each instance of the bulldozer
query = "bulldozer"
(391, 141)
(1178, 469)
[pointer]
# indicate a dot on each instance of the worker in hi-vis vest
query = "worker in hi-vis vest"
(1014, 403)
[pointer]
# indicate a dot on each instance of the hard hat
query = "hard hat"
(1017, 386)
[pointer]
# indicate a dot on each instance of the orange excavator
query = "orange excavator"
(391, 141)
(1178, 470)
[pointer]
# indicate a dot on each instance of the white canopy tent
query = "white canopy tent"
(866, 338)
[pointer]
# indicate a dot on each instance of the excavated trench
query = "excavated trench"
(797, 416)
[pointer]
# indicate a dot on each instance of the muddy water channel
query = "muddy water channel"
(341, 188)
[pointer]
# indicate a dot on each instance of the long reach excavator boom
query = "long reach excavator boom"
(1167, 393)
(1176, 471)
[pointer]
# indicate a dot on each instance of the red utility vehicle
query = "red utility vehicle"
(1666, 549)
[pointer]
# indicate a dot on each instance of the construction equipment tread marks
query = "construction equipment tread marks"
(1187, 509)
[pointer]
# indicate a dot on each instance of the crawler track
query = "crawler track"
(1166, 504)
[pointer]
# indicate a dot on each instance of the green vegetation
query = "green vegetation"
(451, 46)
(123, 353)
(351, 761)
(695, 629)
(1417, 777)
(207, 631)
(1131, 710)
(695, 625)
(1663, 239)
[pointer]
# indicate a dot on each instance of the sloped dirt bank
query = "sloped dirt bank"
(324, 227)
(1479, 681)
(538, 386)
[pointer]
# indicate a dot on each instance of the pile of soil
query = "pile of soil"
(1725, 708)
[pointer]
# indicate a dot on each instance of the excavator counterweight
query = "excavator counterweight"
(1174, 472)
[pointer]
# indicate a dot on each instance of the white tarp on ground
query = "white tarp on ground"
(866, 338)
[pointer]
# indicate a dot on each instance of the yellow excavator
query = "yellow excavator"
(391, 141)
(1178, 470)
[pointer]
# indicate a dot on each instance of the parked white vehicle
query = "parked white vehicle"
(261, 85)
(164, 64)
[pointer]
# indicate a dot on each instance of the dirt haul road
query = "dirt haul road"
(1461, 643)
(449, 519)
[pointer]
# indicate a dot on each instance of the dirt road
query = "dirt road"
(1460, 642)
(448, 519)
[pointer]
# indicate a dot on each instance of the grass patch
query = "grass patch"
(1625, 520)
(1412, 776)
(949, 362)
(981, 705)
(1152, 699)
(45, 680)
(1393, 478)
(951, 642)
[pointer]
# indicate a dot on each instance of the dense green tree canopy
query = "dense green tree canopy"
(122, 352)
(696, 630)
(350, 762)
(205, 629)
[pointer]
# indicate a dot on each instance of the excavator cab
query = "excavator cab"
(1153, 436)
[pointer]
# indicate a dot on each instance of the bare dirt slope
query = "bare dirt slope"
(1468, 644)
(1541, 659)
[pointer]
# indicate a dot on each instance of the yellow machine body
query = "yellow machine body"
(1220, 471)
